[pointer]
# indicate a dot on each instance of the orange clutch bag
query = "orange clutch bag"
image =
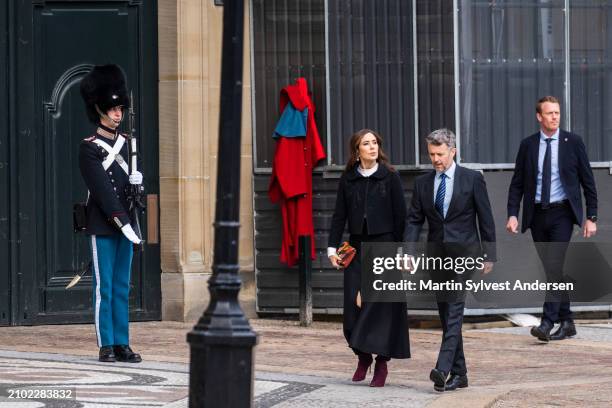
(346, 253)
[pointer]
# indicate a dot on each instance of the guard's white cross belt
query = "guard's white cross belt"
(113, 154)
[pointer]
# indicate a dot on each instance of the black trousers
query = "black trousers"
(554, 225)
(451, 358)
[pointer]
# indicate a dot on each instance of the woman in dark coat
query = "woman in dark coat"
(371, 198)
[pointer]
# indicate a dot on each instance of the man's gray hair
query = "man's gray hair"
(442, 136)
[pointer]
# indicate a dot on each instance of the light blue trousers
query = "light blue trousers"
(111, 266)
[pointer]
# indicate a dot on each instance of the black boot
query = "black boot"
(542, 332)
(456, 381)
(106, 355)
(125, 354)
(565, 330)
(439, 379)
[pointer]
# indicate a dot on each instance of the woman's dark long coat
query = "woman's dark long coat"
(375, 209)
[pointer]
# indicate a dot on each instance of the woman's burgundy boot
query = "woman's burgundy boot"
(365, 361)
(380, 374)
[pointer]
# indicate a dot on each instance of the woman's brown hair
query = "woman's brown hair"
(354, 149)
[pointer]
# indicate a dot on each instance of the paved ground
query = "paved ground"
(311, 367)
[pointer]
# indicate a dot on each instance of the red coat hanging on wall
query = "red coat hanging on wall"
(291, 182)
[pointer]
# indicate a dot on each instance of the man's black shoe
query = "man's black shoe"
(106, 355)
(125, 354)
(542, 332)
(439, 379)
(456, 381)
(565, 330)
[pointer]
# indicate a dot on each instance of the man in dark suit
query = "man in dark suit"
(551, 165)
(455, 203)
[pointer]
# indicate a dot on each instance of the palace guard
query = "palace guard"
(102, 161)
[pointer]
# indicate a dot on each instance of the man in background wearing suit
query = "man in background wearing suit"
(551, 165)
(455, 203)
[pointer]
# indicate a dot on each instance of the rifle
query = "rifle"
(134, 192)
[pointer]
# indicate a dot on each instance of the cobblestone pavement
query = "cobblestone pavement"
(311, 367)
(84, 382)
(28, 379)
(587, 384)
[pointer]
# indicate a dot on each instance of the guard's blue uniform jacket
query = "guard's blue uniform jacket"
(107, 212)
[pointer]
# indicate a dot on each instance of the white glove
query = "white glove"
(130, 234)
(136, 177)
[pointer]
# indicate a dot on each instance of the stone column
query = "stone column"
(189, 85)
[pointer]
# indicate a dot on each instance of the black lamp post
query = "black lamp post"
(221, 368)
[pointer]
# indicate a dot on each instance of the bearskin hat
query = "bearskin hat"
(104, 87)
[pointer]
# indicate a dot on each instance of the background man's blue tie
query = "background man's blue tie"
(439, 203)
(546, 173)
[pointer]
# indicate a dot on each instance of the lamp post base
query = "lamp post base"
(221, 369)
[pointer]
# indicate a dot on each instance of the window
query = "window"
(288, 42)
(371, 78)
(435, 68)
(404, 68)
(591, 75)
(511, 53)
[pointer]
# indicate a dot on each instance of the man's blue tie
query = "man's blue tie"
(439, 203)
(546, 173)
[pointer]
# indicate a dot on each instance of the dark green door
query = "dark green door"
(57, 42)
